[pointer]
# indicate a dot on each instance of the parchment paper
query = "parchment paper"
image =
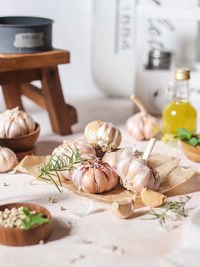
(171, 175)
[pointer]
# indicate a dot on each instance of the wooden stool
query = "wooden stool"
(18, 70)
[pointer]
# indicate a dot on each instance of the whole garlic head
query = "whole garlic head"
(8, 159)
(136, 175)
(103, 135)
(94, 177)
(14, 123)
(67, 147)
(132, 169)
(142, 126)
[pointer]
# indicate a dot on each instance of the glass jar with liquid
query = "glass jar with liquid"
(179, 112)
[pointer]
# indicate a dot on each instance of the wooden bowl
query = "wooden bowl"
(21, 143)
(192, 153)
(22, 237)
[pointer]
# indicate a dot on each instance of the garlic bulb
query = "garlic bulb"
(133, 170)
(66, 149)
(103, 135)
(112, 157)
(136, 175)
(94, 177)
(142, 125)
(8, 159)
(14, 123)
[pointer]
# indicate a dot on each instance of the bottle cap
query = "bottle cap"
(182, 74)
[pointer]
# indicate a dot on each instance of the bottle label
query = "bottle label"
(28, 40)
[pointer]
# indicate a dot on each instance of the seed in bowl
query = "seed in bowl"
(21, 217)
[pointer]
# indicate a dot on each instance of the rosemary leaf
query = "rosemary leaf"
(177, 207)
(48, 171)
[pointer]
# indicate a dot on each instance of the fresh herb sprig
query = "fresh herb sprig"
(50, 170)
(188, 137)
(177, 207)
(31, 219)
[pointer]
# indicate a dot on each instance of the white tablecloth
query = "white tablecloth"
(98, 239)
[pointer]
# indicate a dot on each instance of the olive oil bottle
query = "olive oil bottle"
(179, 113)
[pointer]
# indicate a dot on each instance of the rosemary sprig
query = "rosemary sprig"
(50, 170)
(177, 207)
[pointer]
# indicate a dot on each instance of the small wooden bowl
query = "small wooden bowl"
(22, 237)
(192, 153)
(21, 143)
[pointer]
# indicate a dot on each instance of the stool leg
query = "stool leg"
(12, 96)
(55, 102)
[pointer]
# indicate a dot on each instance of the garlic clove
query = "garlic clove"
(152, 199)
(123, 210)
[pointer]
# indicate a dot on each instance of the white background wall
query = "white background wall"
(72, 31)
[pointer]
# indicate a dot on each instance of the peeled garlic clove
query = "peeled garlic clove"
(152, 199)
(123, 210)
(8, 159)
(103, 135)
(15, 122)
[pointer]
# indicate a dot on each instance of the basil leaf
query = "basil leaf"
(184, 133)
(193, 141)
(26, 225)
(26, 211)
(193, 131)
(32, 219)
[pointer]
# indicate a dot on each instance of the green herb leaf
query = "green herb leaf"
(177, 207)
(184, 133)
(32, 219)
(50, 170)
(193, 141)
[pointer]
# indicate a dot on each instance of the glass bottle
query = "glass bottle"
(179, 112)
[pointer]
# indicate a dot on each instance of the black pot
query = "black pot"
(22, 35)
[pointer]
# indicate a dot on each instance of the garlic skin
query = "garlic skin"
(103, 135)
(136, 175)
(112, 157)
(94, 177)
(8, 159)
(65, 151)
(133, 171)
(15, 123)
(142, 126)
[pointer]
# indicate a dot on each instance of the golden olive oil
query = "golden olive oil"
(179, 113)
